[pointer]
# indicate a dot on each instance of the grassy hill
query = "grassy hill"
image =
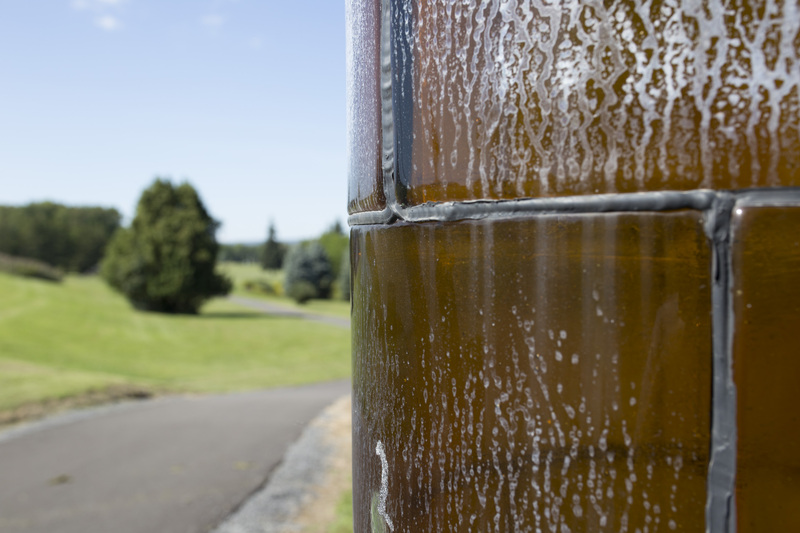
(59, 340)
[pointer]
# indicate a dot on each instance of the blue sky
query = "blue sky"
(244, 98)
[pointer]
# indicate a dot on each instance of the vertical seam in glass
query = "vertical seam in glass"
(720, 496)
(398, 27)
(387, 116)
(718, 208)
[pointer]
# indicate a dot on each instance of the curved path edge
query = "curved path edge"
(173, 464)
(280, 504)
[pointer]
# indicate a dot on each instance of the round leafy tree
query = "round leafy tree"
(165, 260)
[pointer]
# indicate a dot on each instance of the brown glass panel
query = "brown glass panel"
(365, 191)
(549, 372)
(766, 351)
(534, 99)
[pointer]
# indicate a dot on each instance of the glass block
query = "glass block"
(543, 373)
(512, 99)
(364, 146)
(766, 367)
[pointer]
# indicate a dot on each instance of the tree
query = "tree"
(273, 252)
(308, 272)
(70, 238)
(240, 253)
(165, 260)
(336, 244)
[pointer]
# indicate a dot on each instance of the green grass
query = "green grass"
(241, 272)
(343, 521)
(61, 340)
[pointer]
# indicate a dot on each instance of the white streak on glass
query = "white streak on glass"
(384, 485)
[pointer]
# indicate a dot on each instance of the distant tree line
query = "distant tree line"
(269, 255)
(165, 260)
(69, 238)
(240, 253)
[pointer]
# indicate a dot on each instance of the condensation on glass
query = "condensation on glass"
(521, 98)
(534, 374)
(364, 144)
(575, 265)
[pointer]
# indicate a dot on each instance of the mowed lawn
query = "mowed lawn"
(242, 272)
(63, 339)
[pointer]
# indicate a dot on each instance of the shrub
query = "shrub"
(260, 286)
(308, 263)
(165, 260)
(30, 268)
(302, 291)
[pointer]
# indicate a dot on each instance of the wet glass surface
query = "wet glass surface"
(766, 367)
(527, 98)
(549, 372)
(365, 191)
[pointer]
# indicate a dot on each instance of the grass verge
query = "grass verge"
(343, 521)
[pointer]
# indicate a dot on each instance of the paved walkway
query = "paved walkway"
(170, 465)
(303, 493)
(276, 309)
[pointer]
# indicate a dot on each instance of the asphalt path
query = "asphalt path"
(170, 465)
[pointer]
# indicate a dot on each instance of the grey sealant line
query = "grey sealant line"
(720, 483)
(705, 200)
(718, 208)
(490, 209)
(720, 227)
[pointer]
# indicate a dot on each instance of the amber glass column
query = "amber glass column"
(575, 255)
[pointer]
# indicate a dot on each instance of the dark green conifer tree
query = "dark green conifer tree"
(273, 253)
(165, 261)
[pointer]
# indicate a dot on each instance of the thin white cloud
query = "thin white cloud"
(212, 21)
(107, 22)
(104, 12)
